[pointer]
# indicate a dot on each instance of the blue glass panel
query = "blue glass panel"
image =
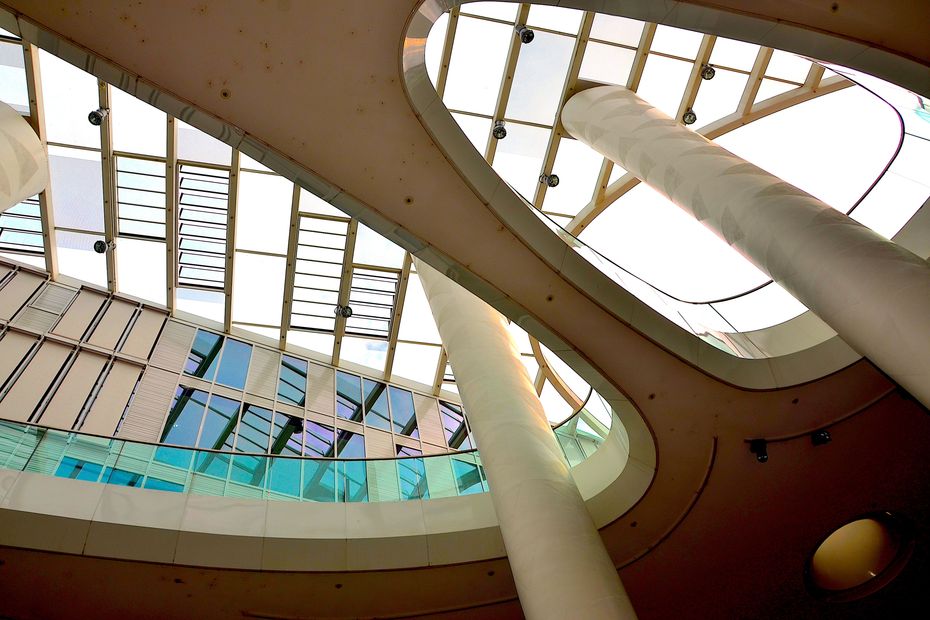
(376, 405)
(319, 440)
(319, 481)
(177, 457)
(254, 430)
(219, 424)
(184, 418)
(453, 424)
(284, 476)
(402, 413)
(352, 481)
(212, 463)
(204, 355)
(467, 475)
(350, 445)
(348, 396)
(412, 473)
(292, 382)
(78, 470)
(235, 364)
(286, 434)
(122, 477)
(249, 469)
(163, 485)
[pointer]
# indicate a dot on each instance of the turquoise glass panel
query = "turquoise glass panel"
(376, 405)
(319, 481)
(412, 475)
(351, 481)
(235, 365)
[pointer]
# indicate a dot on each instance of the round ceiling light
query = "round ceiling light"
(860, 557)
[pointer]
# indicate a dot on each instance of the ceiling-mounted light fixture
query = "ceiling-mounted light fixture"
(101, 246)
(759, 447)
(526, 35)
(499, 131)
(689, 117)
(96, 117)
(343, 311)
(708, 72)
(549, 179)
(821, 437)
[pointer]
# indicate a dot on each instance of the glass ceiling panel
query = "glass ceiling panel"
(476, 129)
(788, 67)
(140, 269)
(892, 203)
(663, 82)
(13, 77)
(720, 96)
(554, 18)
(434, 45)
(416, 362)
(520, 155)
(369, 353)
(556, 408)
(208, 304)
(768, 306)
(734, 54)
(76, 257)
(195, 145)
(496, 10)
(69, 95)
(76, 177)
(416, 322)
(263, 216)
(137, 126)
(539, 78)
(311, 203)
(770, 88)
(477, 64)
(247, 163)
(617, 29)
(606, 63)
(676, 42)
(578, 167)
(373, 249)
(21, 229)
(312, 341)
(258, 288)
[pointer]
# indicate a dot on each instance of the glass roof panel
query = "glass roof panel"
(476, 65)
(364, 351)
(734, 54)
(416, 321)
(247, 163)
(539, 78)
(663, 82)
(676, 42)
(140, 269)
(77, 181)
(554, 18)
(263, 217)
(137, 126)
(208, 304)
(258, 288)
(476, 129)
(13, 89)
(788, 67)
(768, 306)
(892, 203)
(311, 203)
(556, 407)
(69, 95)
(720, 96)
(496, 10)
(617, 29)
(609, 64)
(770, 88)
(76, 257)
(195, 145)
(520, 155)
(434, 45)
(312, 341)
(373, 249)
(578, 167)
(416, 362)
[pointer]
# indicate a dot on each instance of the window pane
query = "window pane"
(405, 420)
(376, 406)
(285, 435)
(350, 445)
(292, 382)
(352, 481)
(319, 440)
(235, 365)
(78, 470)
(284, 476)
(319, 481)
(202, 360)
(219, 424)
(254, 430)
(184, 418)
(453, 424)
(163, 485)
(249, 470)
(348, 396)
(467, 475)
(412, 475)
(122, 477)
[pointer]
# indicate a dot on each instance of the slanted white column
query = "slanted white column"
(874, 293)
(559, 563)
(23, 161)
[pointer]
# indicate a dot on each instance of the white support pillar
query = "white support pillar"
(559, 562)
(873, 292)
(23, 162)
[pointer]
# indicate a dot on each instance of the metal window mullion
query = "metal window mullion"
(503, 93)
(108, 170)
(171, 215)
(345, 286)
(568, 89)
(231, 205)
(695, 80)
(290, 271)
(447, 52)
(642, 54)
(37, 119)
(440, 371)
(814, 75)
(755, 80)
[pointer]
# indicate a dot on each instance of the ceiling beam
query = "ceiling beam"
(398, 311)
(108, 161)
(232, 205)
(446, 55)
(694, 79)
(171, 214)
(345, 288)
(440, 371)
(748, 98)
(290, 272)
(642, 54)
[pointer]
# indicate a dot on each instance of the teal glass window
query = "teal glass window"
(454, 427)
(284, 476)
(286, 434)
(122, 477)
(163, 485)
(376, 405)
(78, 470)
(412, 474)
(319, 480)
(467, 475)
(204, 355)
(348, 396)
(292, 381)
(235, 365)
(402, 413)
(183, 424)
(350, 445)
(249, 469)
(254, 430)
(351, 481)
(219, 425)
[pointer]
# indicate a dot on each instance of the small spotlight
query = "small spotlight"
(499, 131)
(343, 311)
(759, 447)
(96, 117)
(101, 246)
(689, 117)
(526, 35)
(549, 179)
(708, 72)
(821, 437)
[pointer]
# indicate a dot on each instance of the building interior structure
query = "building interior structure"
(234, 384)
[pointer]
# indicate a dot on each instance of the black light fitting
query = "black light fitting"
(499, 132)
(759, 447)
(708, 72)
(549, 179)
(689, 117)
(526, 35)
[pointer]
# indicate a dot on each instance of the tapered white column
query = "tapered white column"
(559, 563)
(23, 161)
(874, 293)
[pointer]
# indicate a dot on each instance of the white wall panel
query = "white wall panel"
(263, 372)
(150, 406)
(428, 419)
(113, 324)
(379, 444)
(13, 347)
(79, 315)
(173, 346)
(72, 393)
(54, 298)
(111, 400)
(21, 400)
(17, 292)
(321, 389)
(144, 332)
